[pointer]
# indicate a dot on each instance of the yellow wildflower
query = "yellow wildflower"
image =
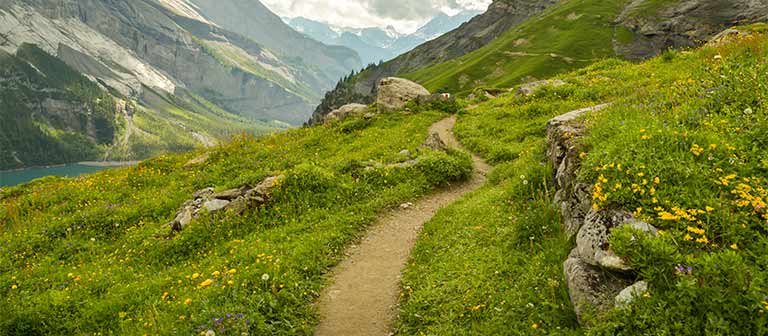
(14, 286)
(122, 315)
(666, 216)
(656, 180)
(709, 209)
(232, 271)
(165, 296)
(696, 150)
(535, 326)
(195, 276)
(188, 302)
(696, 230)
(217, 273)
(205, 283)
(712, 146)
(703, 240)
(182, 318)
(687, 237)
(734, 246)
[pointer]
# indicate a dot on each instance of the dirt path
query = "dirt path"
(363, 295)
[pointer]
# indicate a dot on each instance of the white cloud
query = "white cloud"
(405, 15)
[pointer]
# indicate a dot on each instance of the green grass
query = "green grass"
(682, 146)
(88, 255)
(579, 32)
(491, 264)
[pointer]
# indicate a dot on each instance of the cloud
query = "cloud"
(404, 15)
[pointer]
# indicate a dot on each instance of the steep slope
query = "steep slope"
(576, 33)
(250, 18)
(482, 29)
(128, 44)
(52, 114)
(568, 35)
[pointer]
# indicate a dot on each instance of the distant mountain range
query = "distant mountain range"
(376, 44)
(127, 79)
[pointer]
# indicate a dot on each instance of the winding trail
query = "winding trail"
(363, 294)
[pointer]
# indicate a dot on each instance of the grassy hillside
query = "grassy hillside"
(567, 36)
(682, 147)
(90, 255)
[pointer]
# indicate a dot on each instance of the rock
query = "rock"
(203, 193)
(404, 152)
(265, 188)
(434, 142)
(215, 205)
(563, 150)
(589, 287)
(369, 115)
(529, 88)
(346, 111)
(198, 160)
(592, 240)
(183, 218)
(727, 35)
(229, 195)
(244, 203)
(394, 93)
(405, 206)
(629, 294)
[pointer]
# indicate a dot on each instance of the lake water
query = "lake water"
(12, 178)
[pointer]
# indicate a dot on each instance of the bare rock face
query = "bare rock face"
(592, 240)
(394, 93)
(682, 23)
(631, 293)
(346, 111)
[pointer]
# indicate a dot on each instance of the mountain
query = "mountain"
(479, 31)
(503, 47)
(376, 44)
(176, 76)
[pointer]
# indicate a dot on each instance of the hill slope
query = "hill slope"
(568, 35)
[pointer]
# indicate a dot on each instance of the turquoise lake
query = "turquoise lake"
(16, 177)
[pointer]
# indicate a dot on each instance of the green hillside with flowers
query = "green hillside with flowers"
(682, 147)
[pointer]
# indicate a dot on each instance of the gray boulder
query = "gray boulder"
(629, 294)
(394, 93)
(435, 142)
(592, 240)
(346, 111)
(590, 288)
(215, 205)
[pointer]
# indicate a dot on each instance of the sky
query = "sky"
(405, 15)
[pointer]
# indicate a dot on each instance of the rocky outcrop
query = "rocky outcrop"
(678, 24)
(237, 200)
(394, 93)
(596, 277)
(482, 29)
(346, 111)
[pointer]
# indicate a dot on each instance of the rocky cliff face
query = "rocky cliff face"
(482, 29)
(167, 44)
(683, 23)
